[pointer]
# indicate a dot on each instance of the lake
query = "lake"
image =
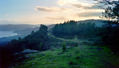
(7, 34)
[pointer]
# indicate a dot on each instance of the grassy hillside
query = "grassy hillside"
(83, 56)
(64, 47)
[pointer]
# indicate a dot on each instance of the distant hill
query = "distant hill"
(18, 28)
(25, 29)
(63, 36)
(98, 23)
(21, 30)
(80, 29)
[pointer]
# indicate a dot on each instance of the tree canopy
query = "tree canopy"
(111, 10)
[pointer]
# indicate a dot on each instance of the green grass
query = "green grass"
(77, 57)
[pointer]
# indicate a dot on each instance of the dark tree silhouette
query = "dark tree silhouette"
(111, 35)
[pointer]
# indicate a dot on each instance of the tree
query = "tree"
(111, 36)
(111, 10)
(64, 47)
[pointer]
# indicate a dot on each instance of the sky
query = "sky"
(47, 11)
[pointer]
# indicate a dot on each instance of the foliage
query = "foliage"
(111, 38)
(64, 47)
(111, 10)
(72, 29)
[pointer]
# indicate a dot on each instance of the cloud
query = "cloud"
(65, 2)
(80, 6)
(88, 5)
(88, 10)
(64, 10)
(56, 18)
(85, 6)
(49, 9)
(90, 13)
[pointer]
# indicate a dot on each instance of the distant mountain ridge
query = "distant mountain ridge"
(25, 29)
(14, 27)
(98, 23)
(20, 29)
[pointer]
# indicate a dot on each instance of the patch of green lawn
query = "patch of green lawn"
(75, 57)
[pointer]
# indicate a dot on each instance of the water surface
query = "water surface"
(7, 34)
